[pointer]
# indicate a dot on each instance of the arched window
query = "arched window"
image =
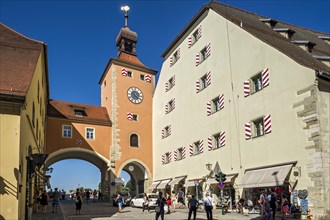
(134, 140)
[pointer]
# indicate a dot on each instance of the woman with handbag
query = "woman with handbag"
(161, 201)
(145, 202)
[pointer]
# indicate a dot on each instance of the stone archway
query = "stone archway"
(87, 155)
(140, 175)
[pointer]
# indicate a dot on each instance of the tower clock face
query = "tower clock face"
(135, 95)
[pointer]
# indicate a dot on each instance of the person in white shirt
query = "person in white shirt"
(208, 206)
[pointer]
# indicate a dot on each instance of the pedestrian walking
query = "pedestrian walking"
(161, 201)
(55, 200)
(272, 204)
(78, 201)
(180, 197)
(145, 202)
(284, 207)
(119, 201)
(261, 202)
(192, 205)
(208, 206)
(169, 202)
(44, 201)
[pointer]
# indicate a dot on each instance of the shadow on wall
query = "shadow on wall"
(7, 188)
(2, 218)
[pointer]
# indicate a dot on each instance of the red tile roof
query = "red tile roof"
(66, 110)
(18, 59)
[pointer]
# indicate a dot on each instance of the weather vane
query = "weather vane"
(126, 9)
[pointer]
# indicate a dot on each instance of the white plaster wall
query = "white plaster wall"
(189, 121)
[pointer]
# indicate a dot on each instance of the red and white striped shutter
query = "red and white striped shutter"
(163, 133)
(209, 143)
(246, 88)
(178, 54)
(169, 130)
(265, 77)
(247, 130)
(191, 149)
(197, 60)
(163, 158)
(201, 146)
(183, 152)
(166, 108)
(222, 138)
(173, 80)
(173, 103)
(129, 116)
(123, 72)
(267, 124)
(208, 50)
(197, 86)
(166, 86)
(208, 108)
(199, 32)
(148, 78)
(189, 41)
(208, 78)
(175, 155)
(169, 157)
(222, 101)
(171, 61)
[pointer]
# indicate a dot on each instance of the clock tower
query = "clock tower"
(127, 87)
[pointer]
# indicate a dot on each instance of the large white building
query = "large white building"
(250, 94)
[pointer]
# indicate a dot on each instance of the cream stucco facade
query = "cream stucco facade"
(22, 134)
(236, 56)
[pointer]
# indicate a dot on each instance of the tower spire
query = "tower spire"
(125, 9)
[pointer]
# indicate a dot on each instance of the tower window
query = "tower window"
(134, 140)
(142, 77)
(129, 74)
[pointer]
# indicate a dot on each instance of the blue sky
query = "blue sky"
(81, 39)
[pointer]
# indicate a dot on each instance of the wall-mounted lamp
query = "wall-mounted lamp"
(208, 166)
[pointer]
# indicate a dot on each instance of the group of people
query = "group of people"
(193, 204)
(269, 203)
(43, 197)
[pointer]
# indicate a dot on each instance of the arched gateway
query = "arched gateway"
(117, 135)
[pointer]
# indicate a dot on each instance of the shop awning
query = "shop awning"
(229, 178)
(176, 180)
(192, 182)
(266, 177)
(154, 184)
(163, 184)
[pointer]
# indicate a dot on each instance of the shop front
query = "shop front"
(265, 180)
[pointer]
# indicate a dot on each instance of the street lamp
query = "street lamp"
(208, 166)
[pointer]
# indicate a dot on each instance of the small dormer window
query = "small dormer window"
(305, 44)
(79, 113)
(286, 32)
(268, 21)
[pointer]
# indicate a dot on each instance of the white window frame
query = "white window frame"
(170, 83)
(167, 157)
(258, 127)
(179, 154)
(215, 105)
(88, 133)
(216, 141)
(64, 129)
(256, 83)
(170, 106)
(196, 148)
(166, 131)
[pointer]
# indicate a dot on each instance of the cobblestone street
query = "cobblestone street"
(104, 211)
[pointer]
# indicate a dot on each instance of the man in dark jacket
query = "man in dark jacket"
(192, 205)
(161, 201)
